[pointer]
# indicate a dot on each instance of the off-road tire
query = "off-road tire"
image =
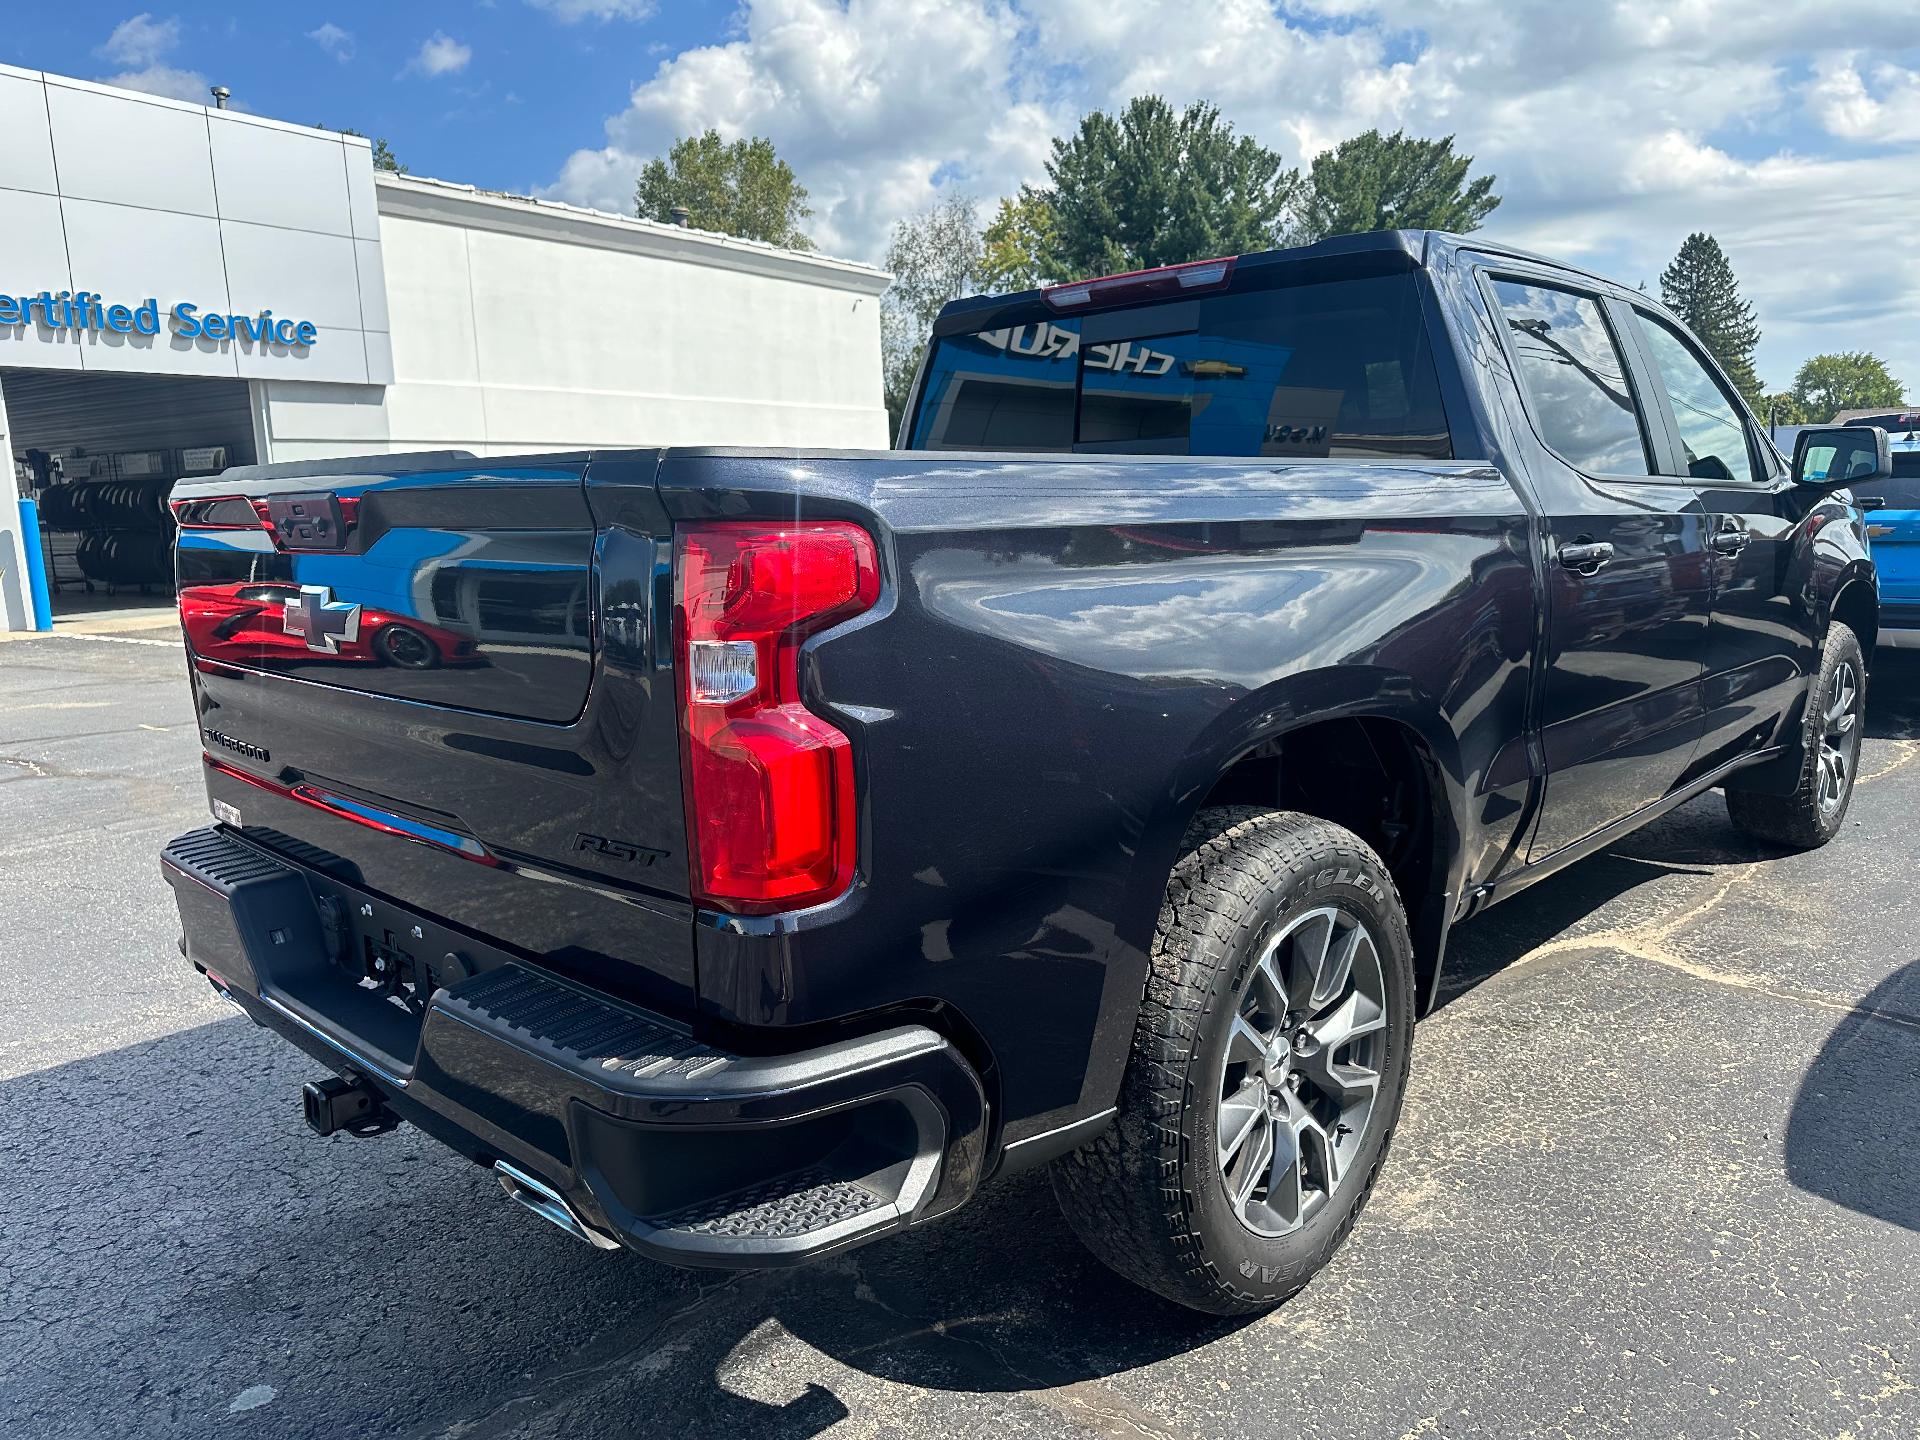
(1798, 819)
(1147, 1196)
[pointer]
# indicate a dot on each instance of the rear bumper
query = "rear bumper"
(620, 1119)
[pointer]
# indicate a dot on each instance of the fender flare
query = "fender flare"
(1345, 692)
(1858, 574)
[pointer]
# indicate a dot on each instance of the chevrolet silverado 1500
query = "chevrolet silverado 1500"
(750, 854)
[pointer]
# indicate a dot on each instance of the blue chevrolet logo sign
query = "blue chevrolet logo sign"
(321, 620)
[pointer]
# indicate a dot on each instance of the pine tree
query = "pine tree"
(1156, 186)
(1699, 287)
(1392, 182)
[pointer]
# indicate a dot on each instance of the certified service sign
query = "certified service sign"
(84, 311)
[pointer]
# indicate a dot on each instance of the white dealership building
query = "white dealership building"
(184, 288)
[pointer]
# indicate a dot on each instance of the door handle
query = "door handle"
(1729, 542)
(1586, 557)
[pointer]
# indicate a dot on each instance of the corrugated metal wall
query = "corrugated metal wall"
(70, 412)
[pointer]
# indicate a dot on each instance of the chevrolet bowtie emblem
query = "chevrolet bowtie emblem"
(321, 620)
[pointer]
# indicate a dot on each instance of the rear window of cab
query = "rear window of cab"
(1341, 368)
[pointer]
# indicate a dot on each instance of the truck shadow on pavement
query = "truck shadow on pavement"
(1853, 1135)
(174, 1237)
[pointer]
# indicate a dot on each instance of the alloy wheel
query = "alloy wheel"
(1301, 1071)
(1839, 737)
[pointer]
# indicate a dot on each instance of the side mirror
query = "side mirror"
(1836, 456)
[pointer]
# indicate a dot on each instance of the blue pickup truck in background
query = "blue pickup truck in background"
(1893, 526)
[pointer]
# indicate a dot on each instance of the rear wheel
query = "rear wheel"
(1830, 755)
(1268, 1067)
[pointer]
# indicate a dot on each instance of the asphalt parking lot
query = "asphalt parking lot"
(1659, 1175)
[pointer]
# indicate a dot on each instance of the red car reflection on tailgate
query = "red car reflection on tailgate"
(245, 624)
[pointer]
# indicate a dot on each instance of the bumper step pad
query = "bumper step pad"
(788, 1208)
(580, 1028)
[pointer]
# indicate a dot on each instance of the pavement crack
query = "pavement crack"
(1649, 941)
(1905, 752)
(1652, 943)
(1755, 985)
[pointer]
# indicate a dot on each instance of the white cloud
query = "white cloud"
(570, 12)
(1843, 106)
(165, 80)
(868, 102)
(1615, 128)
(440, 54)
(336, 42)
(142, 44)
(141, 40)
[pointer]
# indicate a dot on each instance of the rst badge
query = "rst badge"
(625, 851)
(320, 620)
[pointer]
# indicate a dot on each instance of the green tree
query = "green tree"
(1155, 188)
(1854, 380)
(1782, 409)
(1020, 244)
(383, 156)
(1699, 287)
(1392, 182)
(743, 189)
(935, 256)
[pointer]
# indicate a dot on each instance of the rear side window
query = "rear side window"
(1336, 369)
(1710, 426)
(1574, 380)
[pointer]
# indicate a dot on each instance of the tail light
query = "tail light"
(219, 512)
(769, 784)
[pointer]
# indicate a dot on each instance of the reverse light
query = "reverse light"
(770, 798)
(1136, 285)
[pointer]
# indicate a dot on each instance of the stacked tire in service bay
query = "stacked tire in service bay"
(124, 528)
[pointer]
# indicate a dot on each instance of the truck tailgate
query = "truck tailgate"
(400, 677)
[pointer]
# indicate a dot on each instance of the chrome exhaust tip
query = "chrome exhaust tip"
(546, 1202)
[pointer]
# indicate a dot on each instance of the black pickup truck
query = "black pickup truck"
(749, 854)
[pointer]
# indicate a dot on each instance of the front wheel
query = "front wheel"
(1268, 1067)
(1830, 755)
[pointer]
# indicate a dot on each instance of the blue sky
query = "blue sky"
(1790, 129)
(532, 88)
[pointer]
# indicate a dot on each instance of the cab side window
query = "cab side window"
(1902, 492)
(1710, 426)
(1573, 377)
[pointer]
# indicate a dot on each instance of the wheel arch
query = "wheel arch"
(1856, 604)
(1300, 745)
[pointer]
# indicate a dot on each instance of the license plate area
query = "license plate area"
(308, 522)
(391, 955)
(362, 971)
